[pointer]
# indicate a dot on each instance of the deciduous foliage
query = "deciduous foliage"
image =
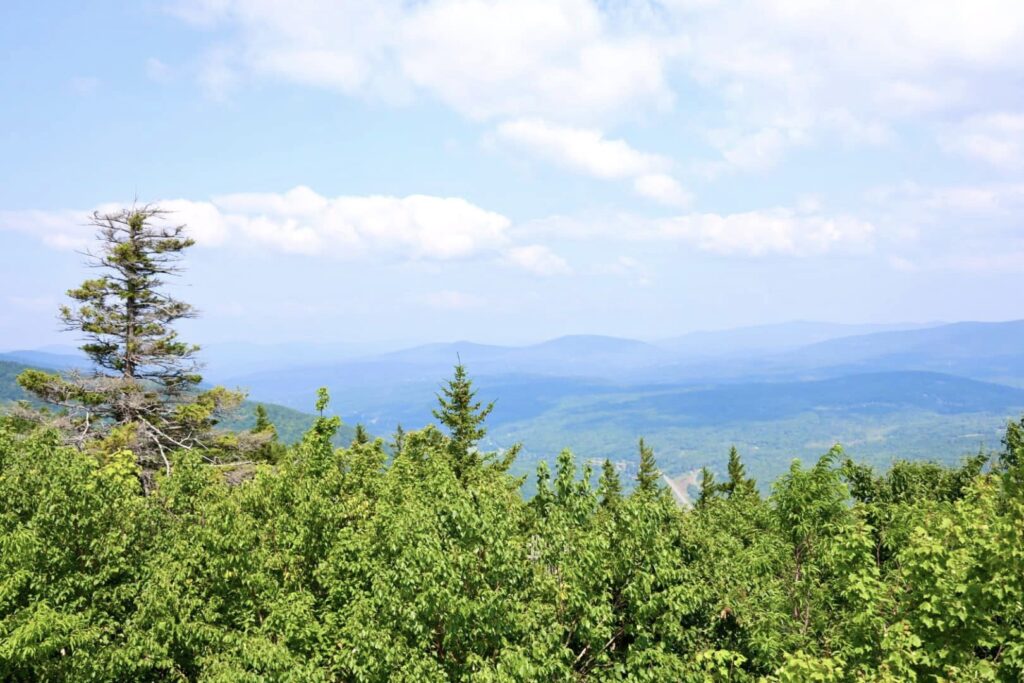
(354, 564)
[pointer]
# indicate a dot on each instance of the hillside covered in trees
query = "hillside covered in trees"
(348, 564)
(147, 534)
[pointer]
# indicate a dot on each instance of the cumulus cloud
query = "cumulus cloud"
(786, 73)
(585, 150)
(588, 151)
(772, 231)
(60, 229)
(483, 58)
(300, 221)
(417, 226)
(988, 200)
(662, 188)
(853, 68)
(955, 227)
(804, 231)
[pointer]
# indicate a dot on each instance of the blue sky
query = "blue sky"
(511, 170)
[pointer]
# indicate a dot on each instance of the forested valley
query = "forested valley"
(140, 539)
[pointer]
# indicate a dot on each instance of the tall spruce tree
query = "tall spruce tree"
(609, 487)
(464, 417)
(738, 482)
(263, 424)
(145, 379)
(361, 436)
(708, 488)
(648, 476)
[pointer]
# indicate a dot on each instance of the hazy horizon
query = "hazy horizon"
(64, 341)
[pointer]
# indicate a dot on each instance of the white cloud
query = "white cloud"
(537, 259)
(852, 67)
(804, 231)
(992, 200)
(417, 226)
(57, 229)
(582, 149)
(771, 231)
(786, 73)
(754, 150)
(955, 227)
(996, 139)
(588, 151)
(662, 188)
(301, 221)
(483, 58)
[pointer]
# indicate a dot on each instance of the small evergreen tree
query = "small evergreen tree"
(738, 482)
(649, 475)
(361, 436)
(263, 423)
(609, 487)
(398, 440)
(464, 417)
(1013, 445)
(263, 438)
(708, 488)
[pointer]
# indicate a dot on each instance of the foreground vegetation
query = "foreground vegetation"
(350, 564)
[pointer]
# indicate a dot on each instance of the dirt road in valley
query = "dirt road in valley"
(680, 486)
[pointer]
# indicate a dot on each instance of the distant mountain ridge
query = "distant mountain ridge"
(917, 391)
(46, 359)
(775, 337)
(991, 351)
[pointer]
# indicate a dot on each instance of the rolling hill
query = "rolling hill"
(992, 351)
(776, 338)
(934, 391)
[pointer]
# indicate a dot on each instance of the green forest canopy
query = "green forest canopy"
(350, 564)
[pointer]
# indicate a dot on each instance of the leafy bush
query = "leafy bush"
(425, 565)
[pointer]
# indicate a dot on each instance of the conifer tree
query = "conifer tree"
(609, 487)
(464, 417)
(708, 488)
(263, 438)
(145, 379)
(398, 440)
(263, 423)
(544, 497)
(361, 436)
(1013, 445)
(738, 482)
(648, 476)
